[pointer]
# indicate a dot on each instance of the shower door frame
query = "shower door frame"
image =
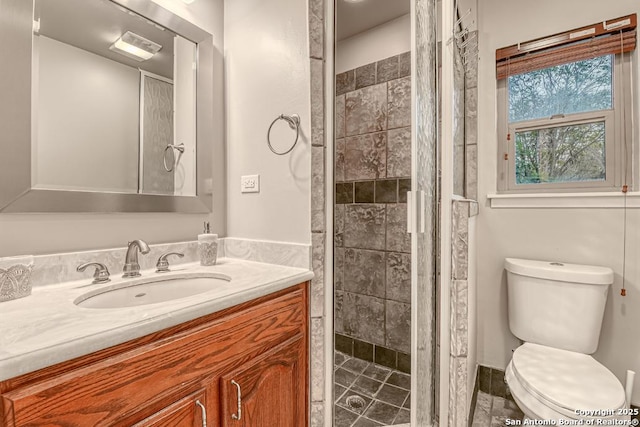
(439, 215)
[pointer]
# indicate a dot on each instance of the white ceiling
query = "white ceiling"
(354, 18)
(95, 25)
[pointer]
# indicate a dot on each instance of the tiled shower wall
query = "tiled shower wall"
(462, 211)
(372, 247)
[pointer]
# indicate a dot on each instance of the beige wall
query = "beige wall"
(586, 236)
(46, 233)
(267, 74)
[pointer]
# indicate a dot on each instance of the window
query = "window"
(565, 126)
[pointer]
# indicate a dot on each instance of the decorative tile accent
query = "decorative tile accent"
(404, 363)
(460, 240)
(364, 272)
(364, 192)
(398, 240)
(339, 160)
(316, 29)
(339, 215)
(363, 317)
(386, 357)
(317, 414)
(281, 253)
(316, 13)
(344, 192)
(404, 185)
(366, 156)
(405, 64)
(366, 110)
(399, 103)
(473, 208)
(365, 75)
(317, 189)
(399, 153)
(338, 320)
(340, 116)
(498, 385)
(386, 191)
(364, 351)
(484, 379)
(458, 391)
(472, 172)
(317, 360)
(317, 102)
(345, 82)
(343, 344)
(364, 226)
(459, 319)
(388, 69)
(317, 283)
(398, 326)
(339, 268)
(399, 277)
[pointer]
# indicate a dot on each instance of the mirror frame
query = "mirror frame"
(16, 194)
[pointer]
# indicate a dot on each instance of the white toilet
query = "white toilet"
(557, 310)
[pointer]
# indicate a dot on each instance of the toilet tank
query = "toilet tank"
(555, 304)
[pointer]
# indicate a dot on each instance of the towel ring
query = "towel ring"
(179, 148)
(294, 123)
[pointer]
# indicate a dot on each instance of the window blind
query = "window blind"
(609, 37)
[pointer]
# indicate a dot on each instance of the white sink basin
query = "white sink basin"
(150, 291)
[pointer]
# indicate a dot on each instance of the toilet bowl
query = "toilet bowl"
(557, 310)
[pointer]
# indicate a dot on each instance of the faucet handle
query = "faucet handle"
(100, 275)
(162, 266)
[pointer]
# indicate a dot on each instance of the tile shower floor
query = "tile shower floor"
(367, 394)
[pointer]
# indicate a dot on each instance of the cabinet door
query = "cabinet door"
(187, 412)
(269, 390)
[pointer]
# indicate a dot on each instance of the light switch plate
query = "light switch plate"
(250, 184)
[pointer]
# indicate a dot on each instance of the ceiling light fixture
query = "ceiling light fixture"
(135, 47)
(188, 1)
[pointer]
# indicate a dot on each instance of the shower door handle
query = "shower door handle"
(409, 212)
(416, 203)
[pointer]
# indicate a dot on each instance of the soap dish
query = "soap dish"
(15, 277)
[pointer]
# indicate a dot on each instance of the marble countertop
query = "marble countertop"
(48, 328)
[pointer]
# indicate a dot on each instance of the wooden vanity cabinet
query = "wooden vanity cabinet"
(244, 366)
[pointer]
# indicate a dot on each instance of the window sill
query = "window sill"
(564, 200)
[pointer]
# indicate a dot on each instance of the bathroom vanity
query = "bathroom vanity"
(245, 363)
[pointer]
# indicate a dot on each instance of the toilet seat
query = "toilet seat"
(563, 381)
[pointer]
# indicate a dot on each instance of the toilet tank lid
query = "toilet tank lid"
(551, 270)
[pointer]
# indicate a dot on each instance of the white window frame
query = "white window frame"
(618, 157)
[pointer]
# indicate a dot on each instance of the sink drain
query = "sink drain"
(355, 402)
(140, 295)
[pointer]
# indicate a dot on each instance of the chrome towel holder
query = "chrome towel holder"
(179, 148)
(294, 123)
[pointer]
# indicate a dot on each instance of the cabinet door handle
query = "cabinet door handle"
(204, 413)
(238, 416)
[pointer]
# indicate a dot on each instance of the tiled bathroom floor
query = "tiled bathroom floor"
(384, 393)
(493, 411)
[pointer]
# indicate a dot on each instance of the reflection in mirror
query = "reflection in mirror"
(114, 105)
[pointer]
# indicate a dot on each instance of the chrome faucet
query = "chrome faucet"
(131, 266)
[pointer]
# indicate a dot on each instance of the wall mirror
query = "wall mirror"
(102, 113)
